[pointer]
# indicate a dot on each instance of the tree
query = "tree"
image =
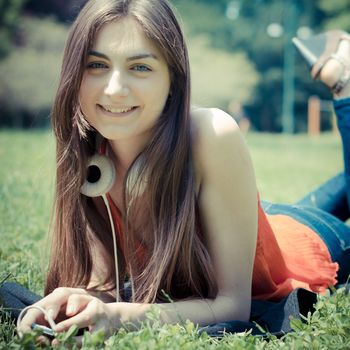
(63, 10)
(337, 14)
(9, 18)
(248, 62)
(244, 28)
(218, 76)
(29, 74)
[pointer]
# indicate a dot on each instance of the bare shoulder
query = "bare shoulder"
(212, 122)
(215, 135)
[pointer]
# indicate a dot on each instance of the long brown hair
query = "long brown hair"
(178, 263)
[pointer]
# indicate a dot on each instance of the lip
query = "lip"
(128, 110)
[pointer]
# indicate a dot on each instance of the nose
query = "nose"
(116, 86)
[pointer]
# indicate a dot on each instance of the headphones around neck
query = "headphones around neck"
(100, 177)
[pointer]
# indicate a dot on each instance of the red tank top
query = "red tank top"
(288, 255)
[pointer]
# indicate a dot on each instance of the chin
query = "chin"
(117, 135)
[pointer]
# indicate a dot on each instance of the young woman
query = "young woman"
(187, 224)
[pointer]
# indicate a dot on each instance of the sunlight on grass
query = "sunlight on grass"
(289, 166)
(26, 178)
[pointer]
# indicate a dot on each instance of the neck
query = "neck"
(125, 152)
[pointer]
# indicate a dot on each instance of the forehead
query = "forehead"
(123, 37)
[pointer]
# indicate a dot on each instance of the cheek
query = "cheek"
(159, 92)
(85, 94)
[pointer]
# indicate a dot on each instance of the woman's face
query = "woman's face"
(126, 82)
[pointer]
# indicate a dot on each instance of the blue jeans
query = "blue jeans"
(325, 209)
(342, 110)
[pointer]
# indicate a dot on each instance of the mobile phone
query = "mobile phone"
(48, 332)
(43, 329)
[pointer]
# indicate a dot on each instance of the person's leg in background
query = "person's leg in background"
(330, 197)
(14, 298)
(334, 195)
(334, 232)
(342, 109)
(328, 57)
(333, 69)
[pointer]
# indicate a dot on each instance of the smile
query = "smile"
(117, 110)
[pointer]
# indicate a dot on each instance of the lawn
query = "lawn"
(287, 167)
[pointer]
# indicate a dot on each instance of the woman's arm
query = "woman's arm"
(228, 204)
(91, 313)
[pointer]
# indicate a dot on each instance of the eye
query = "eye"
(96, 65)
(141, 68)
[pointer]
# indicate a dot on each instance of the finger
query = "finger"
(60, 293)
(42, 341)
(53, 303)
(81, 320)
(56, 302)
(54, 311)
(55, 343)
(40, 312)
(76, 303)
(85, 318)
(31, 316)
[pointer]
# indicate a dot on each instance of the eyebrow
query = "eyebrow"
(131, 58)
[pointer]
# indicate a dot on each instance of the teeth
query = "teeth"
(117, 110)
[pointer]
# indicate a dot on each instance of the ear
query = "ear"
(100, 177)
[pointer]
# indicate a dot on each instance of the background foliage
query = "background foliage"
(29, 73)
(232, 56)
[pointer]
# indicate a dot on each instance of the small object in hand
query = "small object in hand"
(45, 330)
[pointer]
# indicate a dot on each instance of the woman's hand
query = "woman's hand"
(86, 311)
(73, 306)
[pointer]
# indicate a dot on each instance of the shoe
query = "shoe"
(319, 49)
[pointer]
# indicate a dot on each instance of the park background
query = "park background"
(242, 58)
(241, 55)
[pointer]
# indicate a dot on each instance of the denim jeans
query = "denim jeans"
(333, 231)
(325, 209)
(342, 110)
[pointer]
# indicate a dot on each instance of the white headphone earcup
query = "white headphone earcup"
(136, 182)
(100, 178)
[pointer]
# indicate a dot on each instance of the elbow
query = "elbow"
(229, 309)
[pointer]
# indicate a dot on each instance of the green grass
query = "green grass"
(26, 186)
(287, 167)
